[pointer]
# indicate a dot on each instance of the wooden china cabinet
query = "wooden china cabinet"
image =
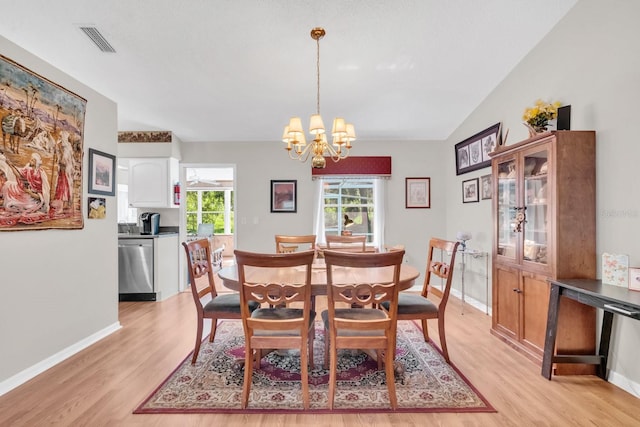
(544, 221)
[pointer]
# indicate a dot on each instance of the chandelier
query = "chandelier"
(342, 133)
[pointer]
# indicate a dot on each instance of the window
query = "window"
(359, 198)
(126, 214)
(210, 207)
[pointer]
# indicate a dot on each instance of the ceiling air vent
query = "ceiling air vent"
(97, 38)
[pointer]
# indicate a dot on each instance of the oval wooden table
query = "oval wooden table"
(408, 276)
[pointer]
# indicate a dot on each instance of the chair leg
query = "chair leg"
(312, 337)
(326, 349)
(248, 375)
(390, 376)
(425, 331)
(443, 340)
(332, 375)
(196, 349)
(214, 327)
(304, 374)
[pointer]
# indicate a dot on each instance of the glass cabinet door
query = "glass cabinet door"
(535, 226)
(506, 209)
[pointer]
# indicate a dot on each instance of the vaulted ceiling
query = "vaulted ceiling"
(237, 70)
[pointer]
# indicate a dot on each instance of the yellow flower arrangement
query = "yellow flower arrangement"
(539, 115)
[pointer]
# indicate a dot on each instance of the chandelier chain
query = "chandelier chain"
(318, 74)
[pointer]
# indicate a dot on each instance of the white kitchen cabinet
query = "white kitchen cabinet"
(151, 182)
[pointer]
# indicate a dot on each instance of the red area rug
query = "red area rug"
(214, 383)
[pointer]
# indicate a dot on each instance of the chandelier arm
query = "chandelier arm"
(303, 156)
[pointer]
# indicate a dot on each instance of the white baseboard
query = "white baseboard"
(32, 371)
(624, 383)
(471, 301)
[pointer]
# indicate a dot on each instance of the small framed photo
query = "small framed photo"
(473, 153)
(97, 207)
(102, 173)
(284, 196)
(634, 279)
(417, 193)
(485, 187)
(470, 191)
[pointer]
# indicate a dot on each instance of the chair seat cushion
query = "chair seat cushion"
(227, 303)
(355, 314)
(413, 304)
(281, 313)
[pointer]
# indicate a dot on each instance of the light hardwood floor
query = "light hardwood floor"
(103, 384)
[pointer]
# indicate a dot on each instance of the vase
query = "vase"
(535, 130)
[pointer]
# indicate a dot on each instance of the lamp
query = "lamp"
(343, 133)
(348, 222)
(463, 236)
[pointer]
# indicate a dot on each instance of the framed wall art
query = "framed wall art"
(102, 173)
(96, 207)
(41, 152)
(473, 153)
(470, 191)
(417, 193)
(485, 187)
(284, 195)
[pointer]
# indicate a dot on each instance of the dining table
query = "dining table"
(408, 276)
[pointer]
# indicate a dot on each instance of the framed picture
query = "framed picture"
(634, 279)
(470, 190)
(473, 153)
(284, 196)
(97, 207)
(485, 187)
(417, 193)
(102, 173)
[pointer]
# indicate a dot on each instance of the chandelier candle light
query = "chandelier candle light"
(343, 133)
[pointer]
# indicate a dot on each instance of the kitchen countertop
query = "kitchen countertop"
(147, 236)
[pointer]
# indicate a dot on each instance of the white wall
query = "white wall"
(590, 60)
(259, 163)
(59, 288)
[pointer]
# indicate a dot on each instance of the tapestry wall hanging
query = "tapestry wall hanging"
(42, 126)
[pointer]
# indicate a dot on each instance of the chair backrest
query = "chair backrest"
(379, 283)
(275, 279)
(441, 259)
(288, 244)
(201, 270)
(346, 243)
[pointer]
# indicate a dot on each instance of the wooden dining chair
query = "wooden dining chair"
(346, 243)
(413, 306)
(362, 327)
(209, 305)
(276, 326)
(288, 244)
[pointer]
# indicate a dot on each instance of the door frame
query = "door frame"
(183, 280)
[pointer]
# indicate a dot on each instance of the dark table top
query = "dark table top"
(595, 288)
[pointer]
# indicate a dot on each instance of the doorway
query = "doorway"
(207, 207)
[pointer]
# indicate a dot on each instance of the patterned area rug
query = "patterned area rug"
(214, 384)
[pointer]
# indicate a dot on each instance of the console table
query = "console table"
(474, 254)
(612, 299)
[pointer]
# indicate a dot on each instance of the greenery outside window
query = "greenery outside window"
(210, 207)
(358, 198)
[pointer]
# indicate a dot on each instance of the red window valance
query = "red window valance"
(358, 165)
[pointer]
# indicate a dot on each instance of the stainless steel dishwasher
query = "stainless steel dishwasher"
(135, 270)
